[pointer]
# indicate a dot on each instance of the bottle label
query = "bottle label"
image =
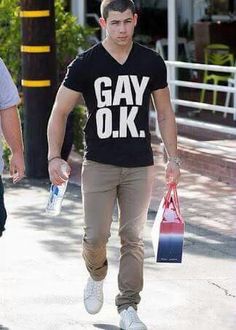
(55, 199)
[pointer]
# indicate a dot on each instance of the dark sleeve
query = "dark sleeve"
(159, 73)
(75, 77)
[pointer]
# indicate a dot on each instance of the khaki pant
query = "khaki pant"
(102, 185)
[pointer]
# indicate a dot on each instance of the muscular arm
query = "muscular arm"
(166, 120)
(66, 100)
(167, 126)
(11, 129)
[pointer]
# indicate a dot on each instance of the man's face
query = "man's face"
(120, 26)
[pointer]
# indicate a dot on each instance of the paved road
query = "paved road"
(42, 274)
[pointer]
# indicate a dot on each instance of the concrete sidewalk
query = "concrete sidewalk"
(42, 274)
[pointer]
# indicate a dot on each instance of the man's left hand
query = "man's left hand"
(172, 172)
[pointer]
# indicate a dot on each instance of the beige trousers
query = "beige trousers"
(102, 185)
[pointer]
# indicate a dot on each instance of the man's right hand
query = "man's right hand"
(56, 172)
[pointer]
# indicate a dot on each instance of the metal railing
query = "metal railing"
(189, 84)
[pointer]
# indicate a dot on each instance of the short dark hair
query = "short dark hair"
(116, 5)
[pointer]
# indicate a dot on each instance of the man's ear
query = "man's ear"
(135, 19)
(102, 22)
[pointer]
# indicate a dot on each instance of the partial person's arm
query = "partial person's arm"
(167, 126)
(11, 129)
(66, 100)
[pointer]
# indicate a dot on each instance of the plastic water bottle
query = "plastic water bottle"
(56, 195)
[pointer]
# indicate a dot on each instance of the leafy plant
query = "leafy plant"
(10, 38)
(70, 37)
(79, 114)
(6, 155)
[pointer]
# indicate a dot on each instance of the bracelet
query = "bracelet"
(50, 159)
(176, 160)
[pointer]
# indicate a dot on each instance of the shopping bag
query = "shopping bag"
(168, 229)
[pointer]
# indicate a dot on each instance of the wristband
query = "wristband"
(176, 160)
(50, 159)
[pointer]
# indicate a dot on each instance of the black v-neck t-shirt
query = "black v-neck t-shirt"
(117, 97)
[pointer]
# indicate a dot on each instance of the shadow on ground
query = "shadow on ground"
(66, 232)
(5, 328)
(106, 327)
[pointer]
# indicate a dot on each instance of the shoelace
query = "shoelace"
(133, 316)
(94, 289)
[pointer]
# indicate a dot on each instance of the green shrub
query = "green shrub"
(79, 120)
(70, 37)
(6, 155)
(10, 37)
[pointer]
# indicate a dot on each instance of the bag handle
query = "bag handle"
(172, 188)
(176, 199)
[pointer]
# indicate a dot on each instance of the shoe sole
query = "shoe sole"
(122, 327)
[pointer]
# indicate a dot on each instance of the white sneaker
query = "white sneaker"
(93, 296)
(129, 320)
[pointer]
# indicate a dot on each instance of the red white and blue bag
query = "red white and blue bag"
(168, 229)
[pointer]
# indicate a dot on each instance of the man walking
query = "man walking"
(11, 129)
(117, 77)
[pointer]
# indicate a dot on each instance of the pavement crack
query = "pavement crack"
(221, 288)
